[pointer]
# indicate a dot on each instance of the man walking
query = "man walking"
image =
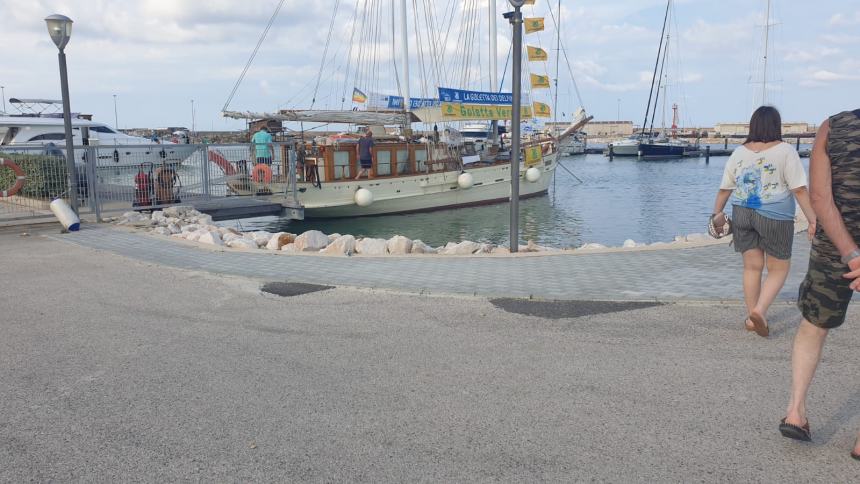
(834, 261)
(365, 154)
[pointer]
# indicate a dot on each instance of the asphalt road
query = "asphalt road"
(116, 370)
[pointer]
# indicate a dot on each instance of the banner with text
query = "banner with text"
(377, 101)
(474, 97)
(461, 111)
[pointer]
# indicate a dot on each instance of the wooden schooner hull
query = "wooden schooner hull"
(418, 193)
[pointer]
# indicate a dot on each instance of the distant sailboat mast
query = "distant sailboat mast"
(494, 124)
(766, 46)
(404, 39)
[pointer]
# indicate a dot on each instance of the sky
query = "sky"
(156, 56)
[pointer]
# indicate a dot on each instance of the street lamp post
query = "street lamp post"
(193, 119)
(115, 116)
(516, 20)
(60, 30)
(3, 95)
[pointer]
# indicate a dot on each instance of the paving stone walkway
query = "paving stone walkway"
(688, 274)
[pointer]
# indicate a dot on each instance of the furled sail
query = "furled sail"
(323, 116)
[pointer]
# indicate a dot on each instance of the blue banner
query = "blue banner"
(475, 97)
(396, 102)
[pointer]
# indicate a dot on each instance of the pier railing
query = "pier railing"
(116, 179)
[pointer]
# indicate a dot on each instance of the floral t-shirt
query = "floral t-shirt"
(763, 181)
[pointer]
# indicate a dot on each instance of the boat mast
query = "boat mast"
(557, 59)
(404, 39)
(494, 67)
(654, 76)
(766, 42)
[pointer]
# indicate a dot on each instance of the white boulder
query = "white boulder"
(279, 240)
(486, 249)
(333, 237)
(419, 247)
(261, 237)
(230, 236)
(241, 243)
(311, 241)
(592, 246)
(343, 245)
(291, 247)
(501, 250)
(162, 231)
(465, 247)
(190, 228)
(369, 246)
(399, 245)
(177, 211)
(211, 237)
(629, 244)
(174, 229)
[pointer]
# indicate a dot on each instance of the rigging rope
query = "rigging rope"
(253, 55)
(325, 52)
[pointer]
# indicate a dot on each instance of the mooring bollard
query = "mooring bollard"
(707, 154)
(725, 143)
(611, 152)
(797, 144)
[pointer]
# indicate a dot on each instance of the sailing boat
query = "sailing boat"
(650, 145)
(411, 172)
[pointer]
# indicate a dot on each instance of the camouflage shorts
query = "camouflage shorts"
(824, 294)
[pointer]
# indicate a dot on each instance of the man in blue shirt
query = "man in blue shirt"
(262, 146)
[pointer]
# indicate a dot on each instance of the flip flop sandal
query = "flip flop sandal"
(853, 455)
(760, 325)
(794, 432)
(749, 327)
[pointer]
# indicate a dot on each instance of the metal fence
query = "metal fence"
(114, 179)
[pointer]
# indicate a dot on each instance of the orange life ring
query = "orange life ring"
(20, 178)
(262, 170)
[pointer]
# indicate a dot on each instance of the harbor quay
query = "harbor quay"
(127, 354)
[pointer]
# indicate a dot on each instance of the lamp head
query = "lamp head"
(517, 3)
(60, 29)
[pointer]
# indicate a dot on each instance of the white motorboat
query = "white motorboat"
(27, 132)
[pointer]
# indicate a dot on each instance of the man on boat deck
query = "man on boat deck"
(365, 154)
(262, 145)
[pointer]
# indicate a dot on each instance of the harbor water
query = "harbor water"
(646, 201)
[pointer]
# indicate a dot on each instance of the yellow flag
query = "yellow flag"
(539, 82)
(533, 155)
(533, 24)
(542, 110)
(536, 54)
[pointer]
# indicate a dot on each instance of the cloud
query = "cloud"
(828, 76)
(845, 20)
(813, 54)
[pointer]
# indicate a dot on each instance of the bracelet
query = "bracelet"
(851, 256)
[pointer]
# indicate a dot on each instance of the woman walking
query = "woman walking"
(763, 177)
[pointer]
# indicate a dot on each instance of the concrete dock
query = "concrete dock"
(120, 362)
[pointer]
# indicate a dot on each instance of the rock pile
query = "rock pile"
(187, 223)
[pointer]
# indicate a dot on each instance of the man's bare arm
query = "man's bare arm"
(821, 195)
